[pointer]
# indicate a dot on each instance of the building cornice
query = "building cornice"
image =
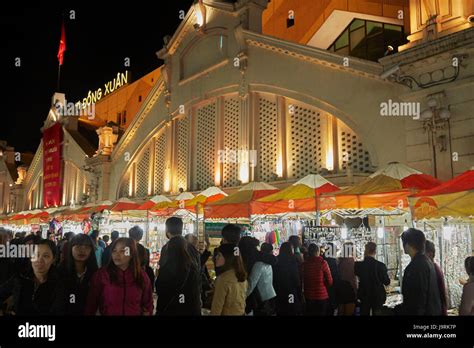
(314, 55)
(431, 48)
(138, 120)
(34, 163)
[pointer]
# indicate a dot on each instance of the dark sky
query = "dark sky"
(98, 40)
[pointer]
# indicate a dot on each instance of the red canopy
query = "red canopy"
(463, 182)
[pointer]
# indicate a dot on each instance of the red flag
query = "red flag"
(62, 45)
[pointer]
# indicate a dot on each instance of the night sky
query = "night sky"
(98, 40)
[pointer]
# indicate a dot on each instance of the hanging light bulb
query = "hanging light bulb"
(447, 230)
(380, 232)
(333, 222)
(344, 231)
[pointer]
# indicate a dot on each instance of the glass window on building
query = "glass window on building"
(368, 39)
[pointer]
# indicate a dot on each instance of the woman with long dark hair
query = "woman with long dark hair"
(38, 290)
(287, 282)
(178, 281)
(76, 272)
(121, 287)
(230, 289)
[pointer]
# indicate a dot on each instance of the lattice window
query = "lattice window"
(183, 151)
(160, 159)
(268, 139)
(206, 148)
(79, 187)
(352, 153)
(231, 139)
(305, 143)
(125, 186)
(143, 166)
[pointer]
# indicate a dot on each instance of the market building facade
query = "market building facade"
(260, 91)
(266, 94)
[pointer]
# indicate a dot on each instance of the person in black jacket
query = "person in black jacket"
(287, 282)
(6, 264)
(372, 278)
(76, 272)
(330, 256)
(107, 254)
(39, 291)
(178, 282)
(419, 286)
(136, 233)
(192, 239)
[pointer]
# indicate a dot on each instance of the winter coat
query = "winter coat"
(261, 277)
(467, 298)
(28, 299)
(287, 285)
(372, 278)
(442, 289)
(332, 263)
(229, 295)
(420, 288)
(76, 291)
(179, 292)
(316, 278)
(124, 297)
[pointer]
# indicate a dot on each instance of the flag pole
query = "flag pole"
(59, 76)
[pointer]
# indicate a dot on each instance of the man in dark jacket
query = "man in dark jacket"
(108, 250)
(372, 278)
(419, 286)
(174, 229)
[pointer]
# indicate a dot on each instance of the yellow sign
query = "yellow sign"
(92, 97)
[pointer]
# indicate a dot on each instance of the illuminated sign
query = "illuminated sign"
(94, 96)
(52, 165)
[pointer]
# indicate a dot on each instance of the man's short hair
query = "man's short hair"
(174, 226)
(415, 238)
(114, 235)
(231, 233)
(136, 233)
(370, 248)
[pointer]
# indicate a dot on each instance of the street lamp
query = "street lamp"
(435, 119)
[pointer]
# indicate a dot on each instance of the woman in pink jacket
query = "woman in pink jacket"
(121, 287)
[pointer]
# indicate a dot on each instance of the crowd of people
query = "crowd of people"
(84, 274)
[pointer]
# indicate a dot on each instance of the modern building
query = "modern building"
(258, 90)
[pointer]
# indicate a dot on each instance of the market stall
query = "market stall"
(237, 207)
(278, 216)
(446, 215)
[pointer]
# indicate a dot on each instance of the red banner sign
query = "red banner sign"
(52, 165)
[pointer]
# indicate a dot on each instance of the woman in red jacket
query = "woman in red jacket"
(316, 277)
(121, 287)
